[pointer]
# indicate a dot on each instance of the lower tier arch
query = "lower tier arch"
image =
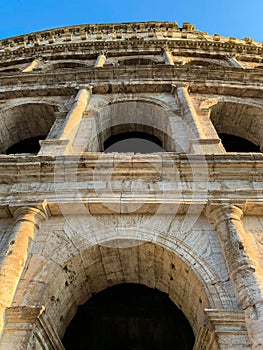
(61, 287)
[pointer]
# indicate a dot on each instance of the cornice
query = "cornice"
(230, 81)
(26, 168)
(125, 36)
(73, 181)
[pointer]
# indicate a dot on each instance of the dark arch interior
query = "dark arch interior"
(136, 61)
(234, 143)
(66, 65)
(29, 145)
(133, 141)
(130, 317)
(207, 64)
(10, 70)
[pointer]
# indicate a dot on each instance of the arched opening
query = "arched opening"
(234, 143)
(129, 316)
(10, 70)
(204, 64)
(188, 281)
(29, 145)
(133, 141)
(24, 125)
(136, 61)
(238, 125)
(63, 65)
(133, 121)
(132, 137)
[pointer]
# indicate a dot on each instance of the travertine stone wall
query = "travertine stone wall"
(67, 268)
(253, 227)
(186, 221)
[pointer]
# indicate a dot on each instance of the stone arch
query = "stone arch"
(166, 265)
(131, 114)
(239, 119)
(25, 121)
(10, 70)
(153, 100)
(62, 65)
(207, 63)
(137, 61)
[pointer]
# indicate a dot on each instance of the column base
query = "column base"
(206, 146)
(55, 148)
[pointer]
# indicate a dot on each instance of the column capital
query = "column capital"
(231, 318)
(35, 214)
(103, 53)
(101, 58)
(183, 85)
(24, 324)
(82, 94)
(218, 212)
(168, 56)
(23, 314)
(165, 47)
(229, 328)
(87, 87)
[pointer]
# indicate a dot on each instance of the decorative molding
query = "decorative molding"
(156, 33)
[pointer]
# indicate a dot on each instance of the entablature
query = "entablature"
(104, 181)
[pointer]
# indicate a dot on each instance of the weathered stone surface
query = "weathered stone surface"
(186, 221)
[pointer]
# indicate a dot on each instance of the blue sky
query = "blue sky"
(238, 18)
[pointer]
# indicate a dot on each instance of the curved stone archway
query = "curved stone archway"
(125, 115)
(25, 121)
(209, 64)
(63, 65)
(137, 60)
(238, 119)
(61, 287)
(129, 316)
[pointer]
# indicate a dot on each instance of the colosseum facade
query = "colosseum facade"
(131, 189)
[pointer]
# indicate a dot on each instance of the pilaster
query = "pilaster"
(63, 143)
(34, 64)
(101, 59)
(244, 269)
(234, 62)
(27, 222)
(168, 57)
(199, 143)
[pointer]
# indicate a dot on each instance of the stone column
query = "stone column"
(234, 62)
(188, 110)
(101, 59)
(75, 114)
(168, 57)
(27, 221)
(65, 137)
(244, 269)
(199, 143)
(31, 66)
